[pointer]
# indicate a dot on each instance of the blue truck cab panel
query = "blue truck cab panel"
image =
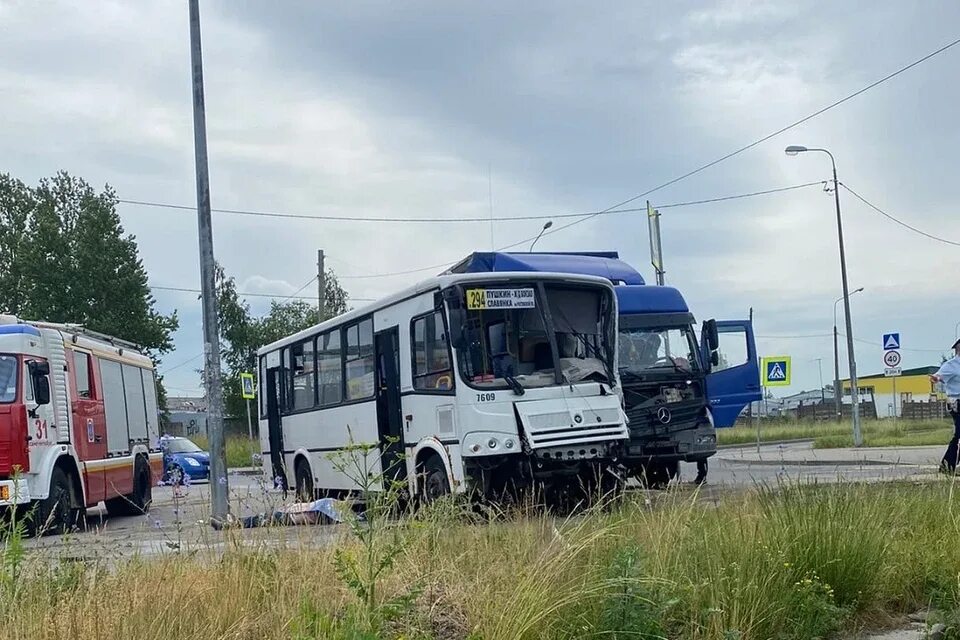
(731, 386)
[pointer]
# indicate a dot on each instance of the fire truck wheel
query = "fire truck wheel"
(57, 514)
(138, 502)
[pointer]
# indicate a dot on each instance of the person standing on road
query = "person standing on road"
(949, 375)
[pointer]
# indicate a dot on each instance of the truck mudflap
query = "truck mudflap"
(552, 423)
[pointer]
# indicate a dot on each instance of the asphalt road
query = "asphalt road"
(178, 518)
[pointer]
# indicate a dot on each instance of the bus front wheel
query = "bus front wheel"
(434, 480)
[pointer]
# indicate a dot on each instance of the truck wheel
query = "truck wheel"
(434, 483)
(657, 475)
(304, 484)
(138, 502)
(57, 513)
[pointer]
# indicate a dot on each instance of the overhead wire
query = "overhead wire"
(897, 220)
(557, 216)
(252, 295)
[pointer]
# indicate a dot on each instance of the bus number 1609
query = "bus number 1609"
(486, 397)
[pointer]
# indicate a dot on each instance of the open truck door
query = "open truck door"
(730, 350)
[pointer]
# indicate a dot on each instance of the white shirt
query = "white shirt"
(949, 372)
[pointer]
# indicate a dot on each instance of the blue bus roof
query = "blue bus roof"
(605, 264)
(650, 299)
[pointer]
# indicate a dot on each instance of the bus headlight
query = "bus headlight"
(489, 443)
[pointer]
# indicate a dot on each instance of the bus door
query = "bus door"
(274, 426)
(389, 412)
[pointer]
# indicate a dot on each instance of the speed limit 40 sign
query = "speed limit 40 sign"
(891, 361)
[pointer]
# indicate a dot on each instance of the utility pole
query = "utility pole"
(656, 248)
(219, 490)
(321, 287)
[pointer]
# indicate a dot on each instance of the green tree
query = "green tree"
(241, 333)
(64, 257)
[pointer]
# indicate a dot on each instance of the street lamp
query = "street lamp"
(836, 358)
(851, 358)
(956, 330)
(547, 225)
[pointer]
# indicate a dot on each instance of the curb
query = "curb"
(763, 443)
(827, 463)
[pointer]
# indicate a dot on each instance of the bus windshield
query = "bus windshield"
(8, 379)
(644, 349)
(508, 343)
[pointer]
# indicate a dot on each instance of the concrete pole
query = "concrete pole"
(219, 490)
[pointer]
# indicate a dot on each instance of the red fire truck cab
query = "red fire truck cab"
(78, 423)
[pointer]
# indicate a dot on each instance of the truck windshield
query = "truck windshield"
(507, 341)
(644, 349)
(8, 379)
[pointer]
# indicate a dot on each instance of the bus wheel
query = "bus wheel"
(57, 514)
(435, 483)
(304, 484)
(138, 502)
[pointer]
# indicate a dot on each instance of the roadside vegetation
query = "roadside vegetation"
(790, 562)
(240, 449)
(831, 435)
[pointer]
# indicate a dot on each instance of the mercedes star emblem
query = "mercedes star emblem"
(663, 415)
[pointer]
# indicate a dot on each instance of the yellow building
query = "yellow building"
(914, 385)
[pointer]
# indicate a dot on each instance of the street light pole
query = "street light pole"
(546, 225)
(837, 391)
(823, 397)
(851, 358)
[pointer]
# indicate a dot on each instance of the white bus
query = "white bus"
(485, 382)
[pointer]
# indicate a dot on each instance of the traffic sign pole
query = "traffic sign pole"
(249, 422)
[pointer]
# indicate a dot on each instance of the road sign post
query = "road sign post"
(891, 364)
(248, 394)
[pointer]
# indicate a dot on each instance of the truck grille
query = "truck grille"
(644, 420)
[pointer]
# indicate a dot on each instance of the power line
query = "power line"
(897, 220)
(253, 295)
(300, 216)
(860, 340)
(790, 126)
(689, 203)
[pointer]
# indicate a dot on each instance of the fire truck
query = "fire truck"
(78, 423)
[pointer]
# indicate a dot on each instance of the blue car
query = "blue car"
(183, 461)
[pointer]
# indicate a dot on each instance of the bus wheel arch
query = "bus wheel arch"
(432, 474)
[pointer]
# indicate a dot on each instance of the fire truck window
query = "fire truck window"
(8, 378)
(81, 367)
(27, 384)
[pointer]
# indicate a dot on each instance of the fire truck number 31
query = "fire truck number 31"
(41, 426)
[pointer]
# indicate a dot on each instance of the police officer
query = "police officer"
(949, 375)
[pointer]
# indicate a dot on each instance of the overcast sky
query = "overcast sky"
(424, 109)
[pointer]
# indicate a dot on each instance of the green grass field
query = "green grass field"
(791, 563)
(830, 435)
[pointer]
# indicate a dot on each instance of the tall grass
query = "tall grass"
(830, 434)
(787, 562)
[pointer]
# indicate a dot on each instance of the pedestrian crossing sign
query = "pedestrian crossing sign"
(776, 371)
